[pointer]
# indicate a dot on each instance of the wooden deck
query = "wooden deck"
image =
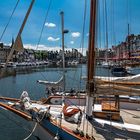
(108, 111)
(127, 127)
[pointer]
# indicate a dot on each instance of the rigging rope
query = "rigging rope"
(9, 20)
(83, 35)
(106, 26)
(99, 35)
(81, 45)
(113, 24)
(43, 29)
(31, 132)
(44, 24)
(40, 38)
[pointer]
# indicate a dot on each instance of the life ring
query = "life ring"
(69, 111)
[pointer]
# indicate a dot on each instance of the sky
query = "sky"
(119, 14)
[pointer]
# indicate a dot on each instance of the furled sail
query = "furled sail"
(51, 83)
(18, 45)
(135, 78)
(117, 85)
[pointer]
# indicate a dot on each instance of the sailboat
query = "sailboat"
(55, 88)
(58, 87)
(66, 120)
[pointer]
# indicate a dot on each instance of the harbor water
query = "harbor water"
(12, 127)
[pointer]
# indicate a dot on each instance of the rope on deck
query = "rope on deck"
(31, 132)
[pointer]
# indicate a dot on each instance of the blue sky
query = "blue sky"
(124, 12)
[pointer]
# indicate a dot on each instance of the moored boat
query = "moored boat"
(119, 71)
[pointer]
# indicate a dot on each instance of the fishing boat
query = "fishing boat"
(75, 119)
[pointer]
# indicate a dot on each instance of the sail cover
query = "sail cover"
(51, 83)
(117, 85)
(135, 78)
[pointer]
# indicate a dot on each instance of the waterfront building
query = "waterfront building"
(129, 49)
(4, 52)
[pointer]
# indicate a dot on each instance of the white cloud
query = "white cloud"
(41, 47)
(87, 34)
(82, 51)
(53, 39)
(54, 48)
(75, 34)
(50, 25)
(71, 42)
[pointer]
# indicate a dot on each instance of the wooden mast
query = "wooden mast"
(19, 33)
(91, 58)
(18, 39)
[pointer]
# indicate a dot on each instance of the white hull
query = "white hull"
(57, 100)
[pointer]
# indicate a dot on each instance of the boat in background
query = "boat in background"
(107, 64)
(74, 63)
(119, 71)
(133, 70)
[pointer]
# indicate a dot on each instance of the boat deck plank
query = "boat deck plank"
(100, 129)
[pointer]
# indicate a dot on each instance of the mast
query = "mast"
(63, 31)
(128, 41)
(63, 49)
(106, 33)
(91, 58)
(19, 33)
